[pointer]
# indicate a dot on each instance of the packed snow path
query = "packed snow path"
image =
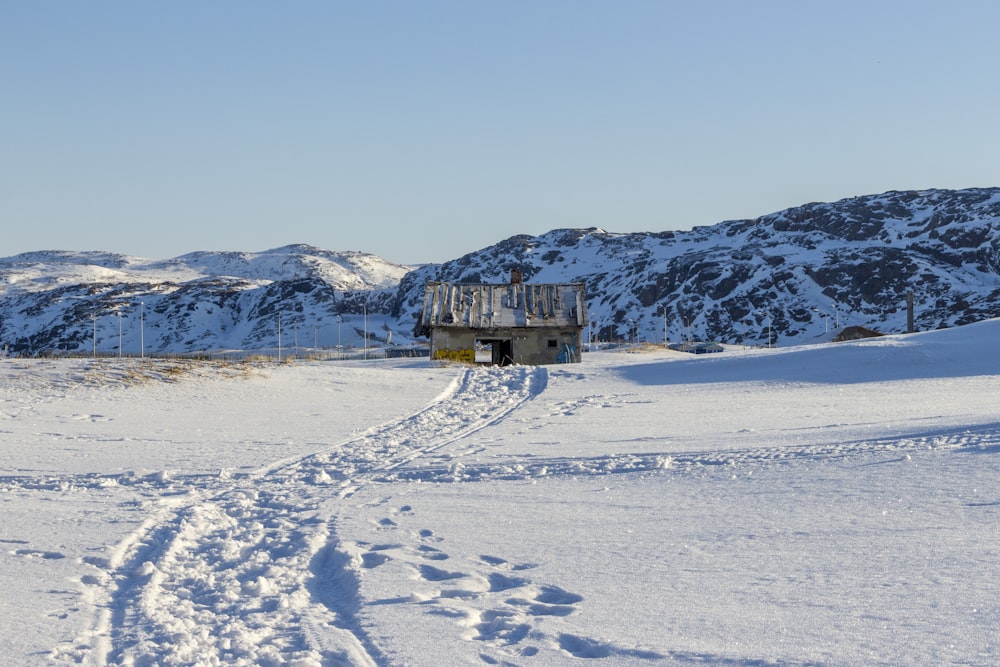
(249, 570)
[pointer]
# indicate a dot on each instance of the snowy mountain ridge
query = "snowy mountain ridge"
(58, 301)
(802, 272)
(342, 270)
(797, 275)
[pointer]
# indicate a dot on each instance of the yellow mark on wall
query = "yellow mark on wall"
(465, 356)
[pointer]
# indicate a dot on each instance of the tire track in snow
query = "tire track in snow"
(247, 570)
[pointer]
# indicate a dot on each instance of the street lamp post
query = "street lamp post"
(142, 330)
(279, 338)
(664, 325)
(93, 316)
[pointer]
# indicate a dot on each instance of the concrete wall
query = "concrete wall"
(451, 344)
(532, 346)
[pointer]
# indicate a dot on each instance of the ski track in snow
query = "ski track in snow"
(336, 467)
(248, 570)
(972, 440)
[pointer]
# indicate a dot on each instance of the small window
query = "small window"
(553, 342)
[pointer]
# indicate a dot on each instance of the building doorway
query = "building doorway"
(495, 351)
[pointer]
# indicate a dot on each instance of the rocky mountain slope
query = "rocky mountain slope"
(53, 302)
(805, 271)
(795, 276)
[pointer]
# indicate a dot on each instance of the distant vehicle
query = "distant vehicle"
(697, 347)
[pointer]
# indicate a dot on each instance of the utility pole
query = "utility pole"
(909, 312)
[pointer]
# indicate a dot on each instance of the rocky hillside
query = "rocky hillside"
(801, 274)
(52, 302)
(804, 271)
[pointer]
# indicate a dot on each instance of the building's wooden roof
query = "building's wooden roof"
(476, 306)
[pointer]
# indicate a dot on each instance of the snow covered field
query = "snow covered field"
(834, 504)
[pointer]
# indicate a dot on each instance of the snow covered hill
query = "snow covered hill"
(66, 301)
(794, 276)
(803, 272)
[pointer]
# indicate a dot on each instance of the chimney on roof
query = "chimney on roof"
(515, 277)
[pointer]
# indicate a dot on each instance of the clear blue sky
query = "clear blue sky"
(422, 130)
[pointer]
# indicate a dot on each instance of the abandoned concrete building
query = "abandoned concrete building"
(513, 323)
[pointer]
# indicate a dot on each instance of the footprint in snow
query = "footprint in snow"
(34, 553)
(427, 535)
(584, 647)
(431, 573)
(373, 559)
(556, 595)
(91, 418)
(498, 562)
(535, 609)
(499, 625)
(500, 582)
(375, 553)
(431, 553)
(493, 560)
